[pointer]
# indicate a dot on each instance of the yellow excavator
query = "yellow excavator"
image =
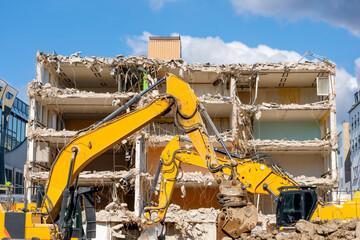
(259, 174)
(64, 210)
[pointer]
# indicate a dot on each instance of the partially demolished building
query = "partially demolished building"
(284, 109)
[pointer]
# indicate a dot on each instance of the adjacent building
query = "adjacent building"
(354, 122)
(344, 163)
(15, 145)
(284, 109)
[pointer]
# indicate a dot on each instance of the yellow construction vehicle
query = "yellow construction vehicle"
(65, 211)
(259, 174)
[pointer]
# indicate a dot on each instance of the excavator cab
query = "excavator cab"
(294, 203)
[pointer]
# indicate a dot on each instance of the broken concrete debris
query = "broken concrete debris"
(117, 213)
(315, 229)
(100, 178)
(180, 65)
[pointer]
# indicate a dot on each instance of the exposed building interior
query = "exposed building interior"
(284, 109)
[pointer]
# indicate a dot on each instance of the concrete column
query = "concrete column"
(233, 117)
(39, 72)
(333, 133)
(232, 86)
(141, 166)
(31, 146)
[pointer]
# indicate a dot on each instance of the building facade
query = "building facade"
(354, 122)
(15, 145)
(284, 109)
(344, 163)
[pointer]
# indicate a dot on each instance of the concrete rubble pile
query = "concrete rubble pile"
(191, 224)
(188, 224)
(116, 212)
(312, 230)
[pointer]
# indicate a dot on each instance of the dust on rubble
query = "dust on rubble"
(316, 229)
(116, 212)
(191, 224)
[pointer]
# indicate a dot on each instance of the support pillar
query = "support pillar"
(333, 134)
(141, 166)
(233, 117)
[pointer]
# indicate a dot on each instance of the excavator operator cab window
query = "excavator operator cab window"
(294, 205)
(292, 208)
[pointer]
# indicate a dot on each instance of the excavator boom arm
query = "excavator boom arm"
(92, 142)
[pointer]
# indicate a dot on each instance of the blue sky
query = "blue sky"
(284, 29)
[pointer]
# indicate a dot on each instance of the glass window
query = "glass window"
(19, 183)
(14, 125)
(355, 147)
(309, 202)
(43, 115)
(15, 105)
(9, 95)
(292, 207)
(18, 131)
(10, 122)
(22, 130)
(9, 175)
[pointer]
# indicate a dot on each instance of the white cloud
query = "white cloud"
(357, 68)
(345, 87)
(158, 4)
(139, 44)
(338, 13)
(215, 50)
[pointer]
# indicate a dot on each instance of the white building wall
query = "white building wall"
(354, 125)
